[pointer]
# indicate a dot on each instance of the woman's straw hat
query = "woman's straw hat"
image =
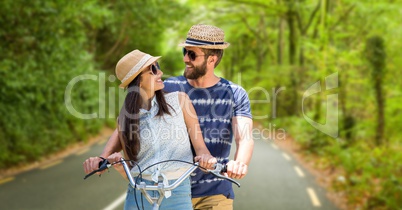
(205, 36)
(132, 64)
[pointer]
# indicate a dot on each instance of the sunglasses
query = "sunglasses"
(191, 54)
(154, 68)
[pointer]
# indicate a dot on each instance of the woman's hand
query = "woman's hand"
(115, 158)
(206, 161)
(92, 164)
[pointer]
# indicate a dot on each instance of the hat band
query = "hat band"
(137, 67)
(200, 42)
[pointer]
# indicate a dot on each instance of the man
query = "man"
(223, 110)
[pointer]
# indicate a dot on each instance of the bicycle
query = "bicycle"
(161, 188)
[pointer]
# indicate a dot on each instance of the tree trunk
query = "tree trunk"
(292, 37)
(380, 112)
(375, 54)
(281, 40)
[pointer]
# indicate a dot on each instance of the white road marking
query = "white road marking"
(116, 203)
(82, 151)
(299, 171)
(274, 146)
(9, 179)
(313, 197)
(286, 156)
(51, 164)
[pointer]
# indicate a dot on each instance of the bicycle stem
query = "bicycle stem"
(168, 187)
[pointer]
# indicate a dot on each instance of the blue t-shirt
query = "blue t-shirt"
(215, 107)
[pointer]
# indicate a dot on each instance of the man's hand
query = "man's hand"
(236, 169)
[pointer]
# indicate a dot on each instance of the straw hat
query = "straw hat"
(205, 36)
(132, 64)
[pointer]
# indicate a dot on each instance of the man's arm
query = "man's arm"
(113, 145)
(242, 132)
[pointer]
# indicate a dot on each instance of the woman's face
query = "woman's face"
(151, 78)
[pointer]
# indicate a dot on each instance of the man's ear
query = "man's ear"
(212, 59)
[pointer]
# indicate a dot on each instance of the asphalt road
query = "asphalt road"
(60, 185)
(275, 181)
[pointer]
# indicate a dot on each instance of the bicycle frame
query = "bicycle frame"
(161, 188)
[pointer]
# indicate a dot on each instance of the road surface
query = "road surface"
(275, 181)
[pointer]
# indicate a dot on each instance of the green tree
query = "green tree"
(135, 25)
(43, 46)
(376, 56)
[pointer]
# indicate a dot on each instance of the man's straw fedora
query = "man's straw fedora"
(131, 65)
(205, 36)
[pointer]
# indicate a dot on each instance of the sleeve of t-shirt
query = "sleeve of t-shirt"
(174, 84)
(169, 85)
(242, 102)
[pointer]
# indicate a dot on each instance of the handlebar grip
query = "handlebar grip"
(222, 168)
(104, 164)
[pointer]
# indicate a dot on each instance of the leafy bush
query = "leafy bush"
(43, 46)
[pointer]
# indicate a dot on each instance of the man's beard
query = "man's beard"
(197, 72)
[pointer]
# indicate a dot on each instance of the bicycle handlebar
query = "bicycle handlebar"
(219, 168)
(161, 188)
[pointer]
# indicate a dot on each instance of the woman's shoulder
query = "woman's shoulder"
(172, 94)
(177, 98)
(176, 94)
(173, 98)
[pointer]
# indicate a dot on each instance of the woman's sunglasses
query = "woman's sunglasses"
(154, 68)
(191, 54)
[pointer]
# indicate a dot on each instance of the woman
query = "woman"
(153, 127)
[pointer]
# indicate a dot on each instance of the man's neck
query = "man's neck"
(205, 81)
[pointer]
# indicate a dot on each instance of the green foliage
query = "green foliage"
(43, 46)
(372, 176)
(292, 45)
(275, 45)
(135, 25)
(46, 45)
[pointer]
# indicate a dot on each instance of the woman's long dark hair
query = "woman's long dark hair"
(129, 117)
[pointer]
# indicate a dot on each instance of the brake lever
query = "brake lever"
(103, 165)
(220, 168)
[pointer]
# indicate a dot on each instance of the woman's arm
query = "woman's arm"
(113, 145)
(114, 158)
(204, 157)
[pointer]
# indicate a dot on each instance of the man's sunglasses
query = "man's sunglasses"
(154, 68)
(191, 54)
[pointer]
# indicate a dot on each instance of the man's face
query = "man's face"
(196, 64)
